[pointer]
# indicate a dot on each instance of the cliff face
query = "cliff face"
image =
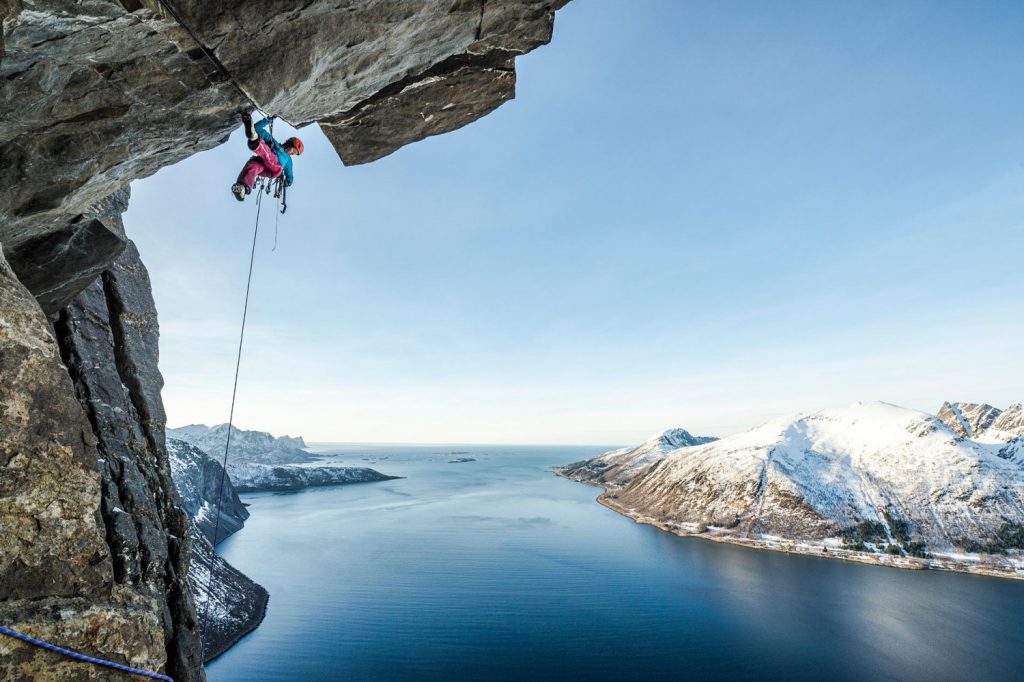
(94, 545)
(238, 602)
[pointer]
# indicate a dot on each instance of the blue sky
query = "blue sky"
(701, 215)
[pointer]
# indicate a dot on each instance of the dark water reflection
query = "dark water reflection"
(498, 570)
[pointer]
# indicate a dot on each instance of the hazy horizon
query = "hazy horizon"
(694, 215)
(311, 442)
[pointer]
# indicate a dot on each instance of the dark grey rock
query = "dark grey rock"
(448, 97)
(96, 93)
(93, 95)
(238, 603)
(56, 265)
(108, 341)
(57, 578)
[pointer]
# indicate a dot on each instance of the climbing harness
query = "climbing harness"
(82, 657)
(279, 189)
(275, 186)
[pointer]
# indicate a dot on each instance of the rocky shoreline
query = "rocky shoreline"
(256, 478)
(821, 551)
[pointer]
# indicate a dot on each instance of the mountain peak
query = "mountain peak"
(968, 419)
(246, 446)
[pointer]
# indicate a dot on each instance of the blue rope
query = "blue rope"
(82, 657)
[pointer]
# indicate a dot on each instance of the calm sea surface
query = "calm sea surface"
(499, 570)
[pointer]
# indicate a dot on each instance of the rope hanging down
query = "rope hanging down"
(227, 443)
(82, 657)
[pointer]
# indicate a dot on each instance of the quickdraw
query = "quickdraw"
(275, 186)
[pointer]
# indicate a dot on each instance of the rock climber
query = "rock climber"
(272, 158)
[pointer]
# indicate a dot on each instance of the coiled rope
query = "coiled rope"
(82, 657)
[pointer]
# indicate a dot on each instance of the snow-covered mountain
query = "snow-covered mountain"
(871, 477)
(246, 446)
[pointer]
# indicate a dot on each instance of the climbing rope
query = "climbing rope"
(209, 55)
(227, 443)
(82, 657)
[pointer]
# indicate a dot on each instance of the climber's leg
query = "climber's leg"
(247, 178)
(250, 131)
(253, 167)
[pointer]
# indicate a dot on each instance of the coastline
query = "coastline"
(935, 563)
(227, 643)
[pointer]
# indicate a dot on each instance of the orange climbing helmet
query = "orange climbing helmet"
(294, 142)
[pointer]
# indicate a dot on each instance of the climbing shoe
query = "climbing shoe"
(250, 131)
(238, 189)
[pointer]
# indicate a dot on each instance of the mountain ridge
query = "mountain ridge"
(866, 481)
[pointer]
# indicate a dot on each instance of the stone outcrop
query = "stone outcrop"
(983, 422)
(968, 419)
(94, 545)
(56, 265)
(238, 603)
(200, 480)
(108, 339)
(71, 568)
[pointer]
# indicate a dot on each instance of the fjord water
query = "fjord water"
(499, 570)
